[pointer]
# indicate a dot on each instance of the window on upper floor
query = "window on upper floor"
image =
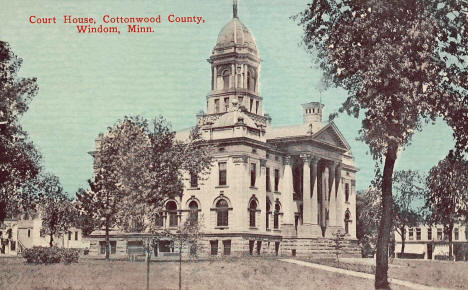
(226, 104)
(222, 173)
(222, 213)
(276, 179)
(429, 233)
(76, 236)
(276, 216)
(69, 235)
(193, 180)
(410, 234)
(252, 212)
(439, 234)
(251, 105)
(193, 206)
(418, 234)
(256, 107)
(268, 186)
(171, 209)
(253, 173)
(456, 234)
(267, 213)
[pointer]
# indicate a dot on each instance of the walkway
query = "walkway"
(358, 274)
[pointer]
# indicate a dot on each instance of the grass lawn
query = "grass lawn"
(431, 273)
(245, 273)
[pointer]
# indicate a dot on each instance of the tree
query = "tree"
(368, 211)
(402, 63)
(408, 186)
(56, 210)
(339, 238)
(19, 159)
(447, 193)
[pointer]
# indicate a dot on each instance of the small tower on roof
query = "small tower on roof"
(312, 112)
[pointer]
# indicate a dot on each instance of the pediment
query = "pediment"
(330, 135)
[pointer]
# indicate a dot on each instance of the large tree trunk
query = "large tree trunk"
(403, 240)
(449, 234)
(381, 281)
(107, 239)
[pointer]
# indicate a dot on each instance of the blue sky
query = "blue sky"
(87, 82)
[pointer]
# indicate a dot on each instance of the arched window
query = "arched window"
(222, 213)
(276, 216)
(267, 215)
(252, 212)
(193, 206)
(171, 208)
(347, 219)
(225, 75)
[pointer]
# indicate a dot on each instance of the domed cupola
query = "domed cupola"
(235, 70)
(235, 34)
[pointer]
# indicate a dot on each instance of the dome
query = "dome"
(232, 118)
(235, 33)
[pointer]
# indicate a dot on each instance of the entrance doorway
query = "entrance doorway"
(429, 251)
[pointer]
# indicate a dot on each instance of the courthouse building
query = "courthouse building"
(271, 190)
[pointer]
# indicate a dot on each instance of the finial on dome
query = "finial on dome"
(234, 8)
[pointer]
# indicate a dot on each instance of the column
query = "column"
(314, 195)
(215, 77)
(324, 209)
(306, 194)
(232, 77)
(287, 192)
(339, 197)
(245, 76)
(332, 194)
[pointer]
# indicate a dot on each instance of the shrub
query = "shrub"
(442, 257)
(43, 255)
(410, 256)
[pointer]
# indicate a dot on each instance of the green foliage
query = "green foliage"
(368, 211)
(447, 193)
(408, 186)
(338, 243)
(51, 255)
(19, 159)
(56, 210)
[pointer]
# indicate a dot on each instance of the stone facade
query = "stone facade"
(283, 190)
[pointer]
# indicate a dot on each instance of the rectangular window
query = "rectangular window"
(214, 247)
(429, 234)
(227, 247)
(76, 236)
(226, 104)
(418, 234)
(256, 107)
(439, 234)
(193, 180)
(410, 233)
(456, 234)
(276, 179)
(241, 101)
(251, 105)
(268, 187)
(222, 173)
(253, 173)
(69, 235)
(29, 233)
(165, 246)
(251, 247)
(102, 247)
(113, 247)
(259, 247)
(173, 219)
(216, 104)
